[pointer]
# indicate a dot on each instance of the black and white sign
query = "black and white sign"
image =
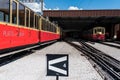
(57, 65)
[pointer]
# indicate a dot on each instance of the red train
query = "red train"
(95, 34)
(20, 26)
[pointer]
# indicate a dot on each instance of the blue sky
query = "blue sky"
(84, 4)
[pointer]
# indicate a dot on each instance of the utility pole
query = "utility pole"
(41, 1)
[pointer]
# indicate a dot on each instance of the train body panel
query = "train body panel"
(98, 37)
(12, 36)
(48, 36)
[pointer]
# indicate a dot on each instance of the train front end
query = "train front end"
(99, 34)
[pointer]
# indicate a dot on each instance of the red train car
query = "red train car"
(20, 26)
(48, 31)
(95, 34)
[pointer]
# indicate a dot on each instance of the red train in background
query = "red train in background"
(20, 26)
(95, 34)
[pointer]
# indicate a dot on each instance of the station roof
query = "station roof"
(83, 19)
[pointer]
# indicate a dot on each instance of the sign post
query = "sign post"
(57, 77)
(57, 65)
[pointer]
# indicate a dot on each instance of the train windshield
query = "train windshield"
(99, 31)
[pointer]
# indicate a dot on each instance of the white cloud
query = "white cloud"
(53, 9)
(74, 8)
(35, 6)
(56, 8)
(81, 9)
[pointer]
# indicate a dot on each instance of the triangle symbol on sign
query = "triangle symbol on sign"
(61, 65)
(58, 65)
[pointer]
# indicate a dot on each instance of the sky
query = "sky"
(82, 4)
(76, 5)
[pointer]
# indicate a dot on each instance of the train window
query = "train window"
(27, 18)
(14, 12)
(42, 24)
(4, 10)
(45, 27)
(95, 31)
(6, 18)
(55, 29)
(1, 16)
(45, 24)
(48, 26)
(31, 19)
(51, 27)
(103, 31)
(36, 22)
(21, 14)
(48, 29)
(99, 30)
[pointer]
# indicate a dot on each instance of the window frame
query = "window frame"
(36, 21)
(26, 17)
(32, 12)
(19, 14)
(11, 11)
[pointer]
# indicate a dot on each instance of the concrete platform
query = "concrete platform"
(33, 67)
(114, 52)
(115, 44)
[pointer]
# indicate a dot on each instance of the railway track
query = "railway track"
(117, 42)
(109, 65)
(15, 55)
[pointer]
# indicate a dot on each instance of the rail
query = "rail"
(108, 64)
